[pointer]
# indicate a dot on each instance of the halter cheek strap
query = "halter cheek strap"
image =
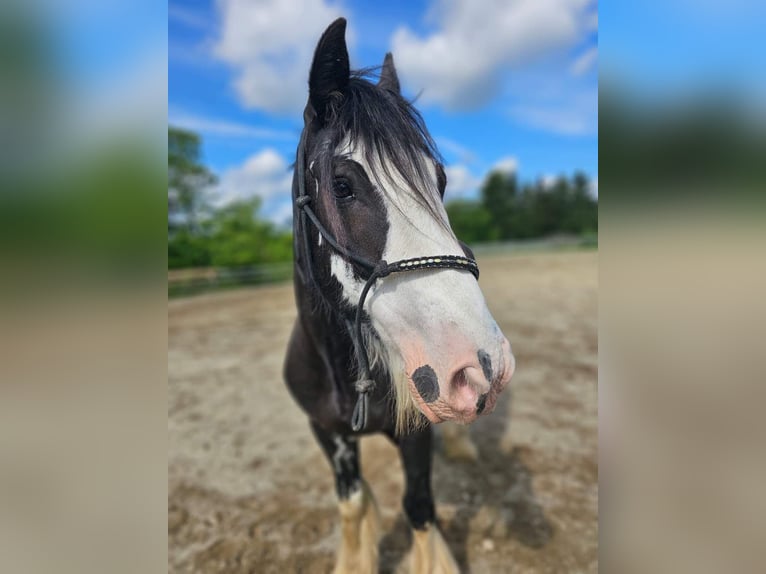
(383, 269)
(378, 270)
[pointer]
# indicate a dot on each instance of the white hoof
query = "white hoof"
(430, 553)
(360, 533)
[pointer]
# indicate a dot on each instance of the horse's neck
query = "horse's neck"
(326, 323)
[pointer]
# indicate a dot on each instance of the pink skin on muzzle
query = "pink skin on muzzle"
(462, 383)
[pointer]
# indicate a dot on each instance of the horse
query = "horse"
(392, 334)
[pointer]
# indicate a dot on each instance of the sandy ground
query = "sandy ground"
(250, 491)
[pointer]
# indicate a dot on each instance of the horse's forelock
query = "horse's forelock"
(391, 134)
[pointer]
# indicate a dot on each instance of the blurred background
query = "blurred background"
(83, 119)
(682, 89)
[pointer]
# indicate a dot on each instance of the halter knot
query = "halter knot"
(302, 201)
(364, 385)
(382, 269)
(359, 416)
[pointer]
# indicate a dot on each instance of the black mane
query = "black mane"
(388, 129)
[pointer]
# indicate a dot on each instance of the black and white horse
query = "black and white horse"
(392, 333)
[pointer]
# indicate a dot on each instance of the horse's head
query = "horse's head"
(376, 183)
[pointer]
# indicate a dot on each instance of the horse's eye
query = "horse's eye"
(342, 189)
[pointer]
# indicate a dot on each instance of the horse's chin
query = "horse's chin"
(439, 411)
(428, 413)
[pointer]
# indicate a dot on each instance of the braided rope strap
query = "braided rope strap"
(437, 262)
(366, 383)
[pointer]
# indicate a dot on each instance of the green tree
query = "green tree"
(536, 209)
(187, 249)
(238, 237)
(498, 196)
(582, 213)
(188, 180)
(471, 221)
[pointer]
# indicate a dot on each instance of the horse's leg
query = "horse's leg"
(360, 520)
(457, 442)
(430, 553)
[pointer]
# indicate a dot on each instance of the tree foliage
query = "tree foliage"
(198, 235)
(471, 221)
(188, 180)
(237, 237)
(506, 210)
(711, 143)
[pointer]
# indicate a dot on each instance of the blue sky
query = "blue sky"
(508, 83)
(665, 50)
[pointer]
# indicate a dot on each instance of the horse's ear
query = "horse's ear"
(330, 69)
(388, 78)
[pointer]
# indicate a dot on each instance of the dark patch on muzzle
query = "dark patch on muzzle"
(426, 383)
(486, 364)
(481, 403)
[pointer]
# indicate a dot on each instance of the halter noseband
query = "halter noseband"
(377, 270)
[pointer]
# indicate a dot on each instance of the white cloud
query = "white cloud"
(187, 17)
(584, 62)
(593, 22)
(567, 114)
(265, 174)
(459, 65)
(594, 187)
(508, 165)
(463, 154)
(460, 182)
(548, 181)
(270, 44)
(219, 127)
(282, 214)
(189, 54)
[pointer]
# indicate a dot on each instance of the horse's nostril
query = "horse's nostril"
(469, 377)
(486, 364)
(459, 379)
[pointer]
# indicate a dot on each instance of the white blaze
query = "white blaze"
(425, 316)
